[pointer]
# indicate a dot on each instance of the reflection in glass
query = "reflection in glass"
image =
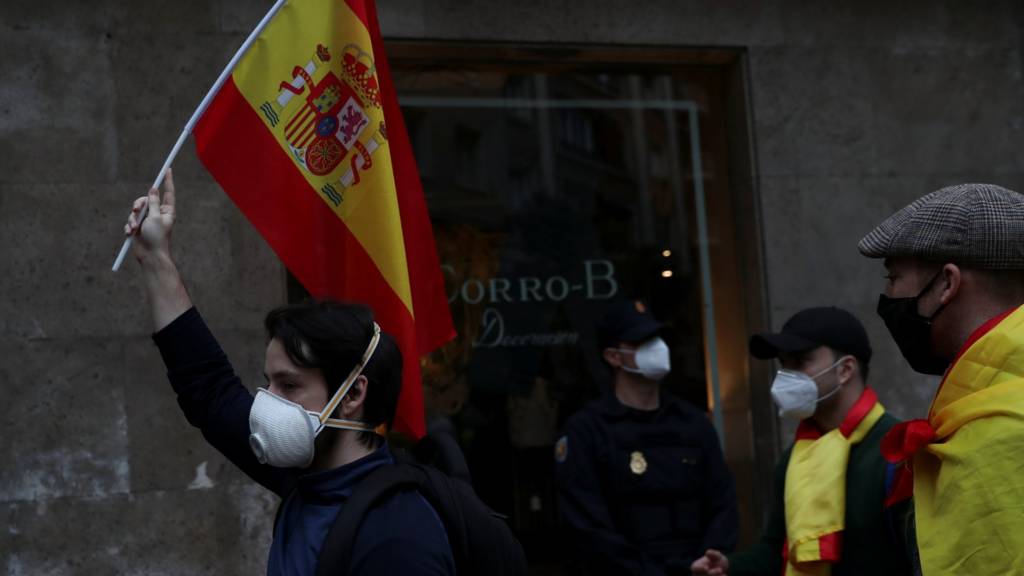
(550, 195)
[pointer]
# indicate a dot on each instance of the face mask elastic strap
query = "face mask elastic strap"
(325, 415)
(830, 394)
(838, 384)
(927, 288)
(344, 424)
(627, 351)
(834, 364)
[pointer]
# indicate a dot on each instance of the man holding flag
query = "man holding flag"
(310, 436)
(304, 133)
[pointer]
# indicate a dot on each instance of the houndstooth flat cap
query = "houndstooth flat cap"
(975, 225)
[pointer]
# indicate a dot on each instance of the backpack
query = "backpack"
(481, 541)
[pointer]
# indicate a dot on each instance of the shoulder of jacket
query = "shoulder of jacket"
(591, 412)
(685, 408)
(403, 512)
(884, 424)
(588, 424)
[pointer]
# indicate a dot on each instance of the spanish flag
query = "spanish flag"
(968, 472)
(815, 494)
(307, 138)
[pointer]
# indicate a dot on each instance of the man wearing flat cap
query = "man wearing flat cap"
(952, 303)
(642, 484)
(827, 517)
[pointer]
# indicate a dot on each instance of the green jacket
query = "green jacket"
(869, 545)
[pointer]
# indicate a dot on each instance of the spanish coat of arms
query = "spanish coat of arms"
(331, 120)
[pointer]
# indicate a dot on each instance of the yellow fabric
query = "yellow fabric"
(969, 484)
(320, 36)
(815, 495)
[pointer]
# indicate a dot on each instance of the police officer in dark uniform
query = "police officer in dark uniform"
(642, 484)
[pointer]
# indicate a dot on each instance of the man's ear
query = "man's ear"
(352, 403)
(611, 356)
(847, 368)
(951, 278)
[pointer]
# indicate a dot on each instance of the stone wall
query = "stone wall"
(857, 108)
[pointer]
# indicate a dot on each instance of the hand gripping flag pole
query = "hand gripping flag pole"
(198, 114)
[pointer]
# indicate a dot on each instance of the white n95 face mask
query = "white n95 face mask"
(283, 433)
(796, 394)
(652, 359)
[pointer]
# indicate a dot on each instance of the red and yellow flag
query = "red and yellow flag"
(968, 486)
(815, 494)
(307, 138)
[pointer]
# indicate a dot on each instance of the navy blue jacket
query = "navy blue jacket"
(644, 492)
(403, 535)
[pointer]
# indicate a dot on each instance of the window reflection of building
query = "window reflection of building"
(533, 424)
(465, 253)
(530, 193)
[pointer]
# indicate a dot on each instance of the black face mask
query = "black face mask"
(912, 332)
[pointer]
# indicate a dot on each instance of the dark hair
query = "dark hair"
(332, 337)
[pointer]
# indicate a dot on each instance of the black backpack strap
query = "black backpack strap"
(481, 542)
(443, 495)
(441, 451)
(336, 553)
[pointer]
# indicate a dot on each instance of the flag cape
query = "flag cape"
(307, 138)
(969, 481)
(815, 495)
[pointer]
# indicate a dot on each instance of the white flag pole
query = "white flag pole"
(198, 114)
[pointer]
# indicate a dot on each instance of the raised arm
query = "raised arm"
(168, 298)
(210, 394)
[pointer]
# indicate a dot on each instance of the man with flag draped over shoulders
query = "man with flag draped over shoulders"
(314, 433)
(952, 302)
(827, 517)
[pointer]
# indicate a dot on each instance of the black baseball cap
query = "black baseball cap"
(627, 321)
(813, 327)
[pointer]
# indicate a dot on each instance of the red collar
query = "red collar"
(809, 430)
